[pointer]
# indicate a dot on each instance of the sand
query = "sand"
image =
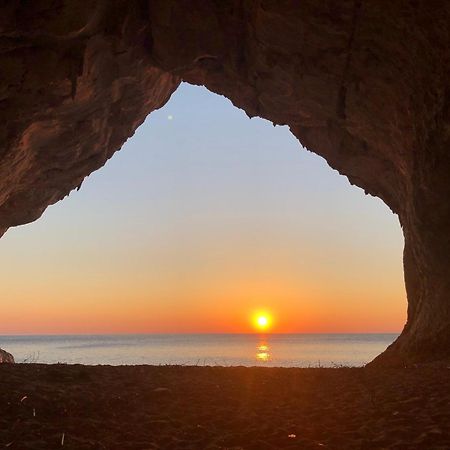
(175, 407)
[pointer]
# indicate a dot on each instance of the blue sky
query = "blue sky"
(204, 206)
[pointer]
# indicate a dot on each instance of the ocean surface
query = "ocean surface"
(285, 350)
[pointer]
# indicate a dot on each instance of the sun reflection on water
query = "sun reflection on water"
(263, 351)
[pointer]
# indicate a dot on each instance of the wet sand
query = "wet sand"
(174, 407)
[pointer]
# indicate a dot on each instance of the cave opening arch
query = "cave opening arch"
(362, 85)
(203, 200)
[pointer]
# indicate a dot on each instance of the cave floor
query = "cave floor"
(176, 407)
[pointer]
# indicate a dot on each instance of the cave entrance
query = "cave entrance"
(202, 217)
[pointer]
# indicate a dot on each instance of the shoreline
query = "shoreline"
(210, 407)
(286, 350)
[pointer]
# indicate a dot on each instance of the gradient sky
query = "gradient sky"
(202, 218)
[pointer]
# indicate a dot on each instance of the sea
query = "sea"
(271, 350)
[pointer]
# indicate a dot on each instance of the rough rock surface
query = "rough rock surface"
(6, 357)
(364, 84)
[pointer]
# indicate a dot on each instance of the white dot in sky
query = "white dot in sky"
(170, 117)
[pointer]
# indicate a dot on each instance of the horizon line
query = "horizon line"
(196, 333)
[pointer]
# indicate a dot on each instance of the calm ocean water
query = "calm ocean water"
(286, 350)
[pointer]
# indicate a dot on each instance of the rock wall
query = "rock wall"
(362, 83)
(5, 357)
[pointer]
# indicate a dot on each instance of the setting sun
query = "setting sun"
(262, 321)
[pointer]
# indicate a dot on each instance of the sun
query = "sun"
(262, 321)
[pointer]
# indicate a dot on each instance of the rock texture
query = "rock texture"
(362, 83)
(6, 357)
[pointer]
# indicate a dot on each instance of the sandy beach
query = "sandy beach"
(176, 407)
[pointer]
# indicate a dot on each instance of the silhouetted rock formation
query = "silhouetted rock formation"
(364, 84)
(6, 357)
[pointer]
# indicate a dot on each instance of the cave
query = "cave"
(363, 84)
